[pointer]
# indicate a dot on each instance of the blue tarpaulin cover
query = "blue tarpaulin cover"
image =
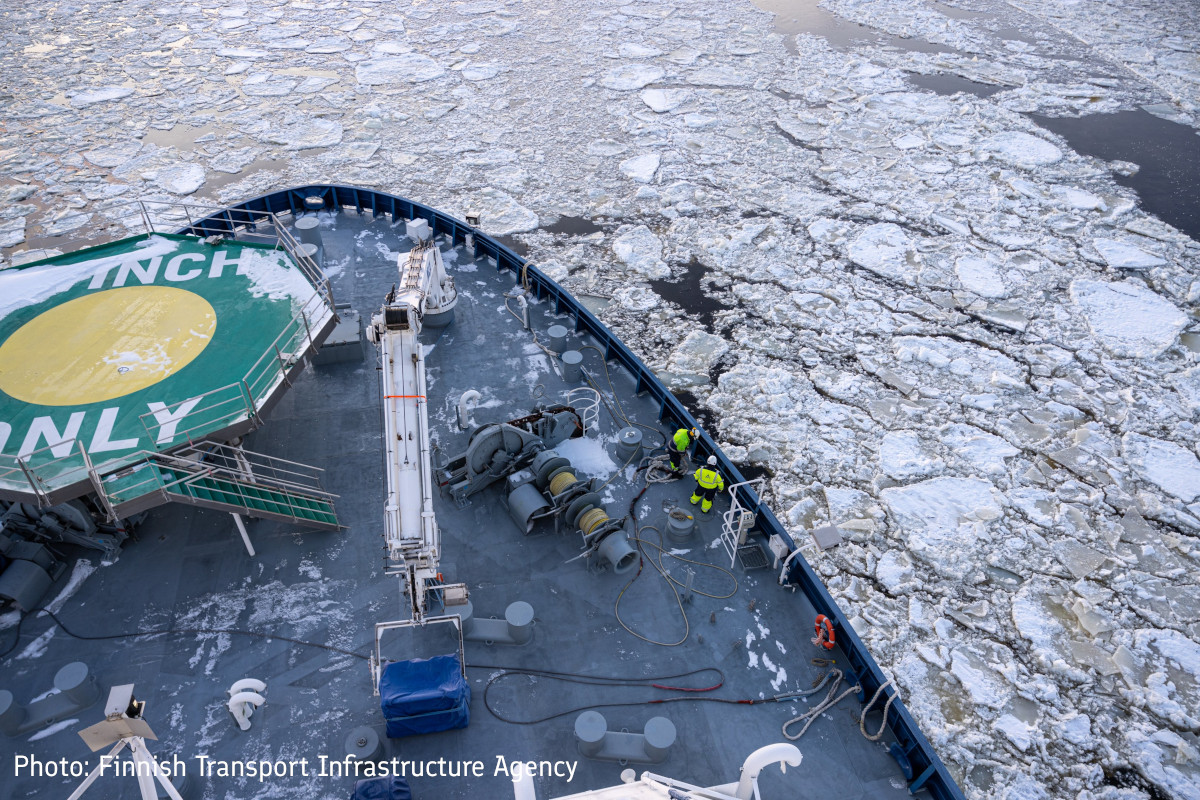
(424, 695)
(391, 788)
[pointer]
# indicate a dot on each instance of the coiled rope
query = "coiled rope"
(834, 678)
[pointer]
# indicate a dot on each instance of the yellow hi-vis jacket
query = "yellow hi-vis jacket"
(683, 440)
(709, 479)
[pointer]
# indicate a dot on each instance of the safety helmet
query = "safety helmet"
(712, 461)
(693, 433)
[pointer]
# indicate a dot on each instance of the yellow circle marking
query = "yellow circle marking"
(105, 345)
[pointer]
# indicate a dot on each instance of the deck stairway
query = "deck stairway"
(223, 478)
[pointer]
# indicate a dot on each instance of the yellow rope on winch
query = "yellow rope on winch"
(592, 519)
(561, 481)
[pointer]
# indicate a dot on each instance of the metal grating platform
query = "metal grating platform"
(752, 556)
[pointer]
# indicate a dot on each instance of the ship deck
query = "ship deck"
(188, 571)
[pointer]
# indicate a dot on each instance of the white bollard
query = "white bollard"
(466, 405)
(244, 698)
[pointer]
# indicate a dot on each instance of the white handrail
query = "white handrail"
(737, 520)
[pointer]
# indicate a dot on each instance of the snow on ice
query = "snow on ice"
(631, 76)
(1127, 318)
(936, 323)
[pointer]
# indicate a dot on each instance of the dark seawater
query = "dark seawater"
(573, 226)
(805, 16)
(687, 293)
(953, 84)
(1168, 183)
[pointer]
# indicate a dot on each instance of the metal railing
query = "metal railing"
(738, 520)
(244, 225)
(247, 225)
(239, 472)
(16, 469)
(586, 402)
(239, 468)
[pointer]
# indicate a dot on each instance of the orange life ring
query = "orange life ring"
(824, 630)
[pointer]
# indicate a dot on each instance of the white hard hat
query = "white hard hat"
(712, 461)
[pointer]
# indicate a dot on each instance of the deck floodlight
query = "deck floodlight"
(123, 726)
(122, 719)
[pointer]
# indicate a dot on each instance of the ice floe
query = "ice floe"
(405, 68)
(1127, 318)
(941, 518)
(631, 76)
(641, 251)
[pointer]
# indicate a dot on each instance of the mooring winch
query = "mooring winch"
(551, 487)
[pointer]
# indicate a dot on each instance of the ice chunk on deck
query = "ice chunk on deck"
(942, 518)
(588, 456)
(1168, 466)
(1127, 318)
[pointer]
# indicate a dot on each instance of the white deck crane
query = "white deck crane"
(424, 295)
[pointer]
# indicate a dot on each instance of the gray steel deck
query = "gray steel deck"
(188, 570)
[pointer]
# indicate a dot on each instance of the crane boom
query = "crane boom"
(423, 294)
